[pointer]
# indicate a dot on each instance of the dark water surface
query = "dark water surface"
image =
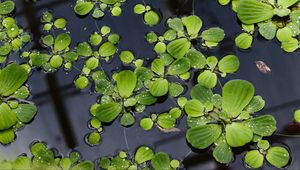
(64, 111)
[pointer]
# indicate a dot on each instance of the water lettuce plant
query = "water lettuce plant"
(15, 110)
(98, 7)
(144, 158)
(12, 36)
(45, 158)
(226, 120)
(277, 156)
(274, 18)
(151, 17)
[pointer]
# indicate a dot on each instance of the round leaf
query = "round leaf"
(159, 87)
(229, 64)
(254, 159)
(194, 108)
(62, 41)
(83, 8)
(25, 112)
(143, 154)
(178, 48)
(278, 156)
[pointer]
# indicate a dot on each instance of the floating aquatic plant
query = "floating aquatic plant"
(226, 121)
(15, 110)
(45, 158)
(151, 17)
(12, 37)
(144, 158)
(277, 156)
(84, 7)
(278, 19)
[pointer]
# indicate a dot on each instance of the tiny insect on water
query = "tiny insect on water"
(263, 67)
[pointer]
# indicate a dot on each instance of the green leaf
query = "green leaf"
(126, 56)
(194, 108)
(286, 3)
(180, 66)
(127, 119)
(224, 2)
(284, 34)
(108, 112)
(7, 136)
(203, 94)
(207, 79)
(229, 64)
(202, 137)
(297, 115)
(104, 162)
(83, 8)
(243, 41)
(255, 105)
(48, 40)
(157, 66)
(139, 9)
(278, 156)
(84, 49)
(291, 45)
(151, 18)
(294, 17)
(81, 82)
(93, 138)
(161, 161)
(175, 24)
(166, 121)
(146, 123)
(282, 12)
(7, 117)
(38, 59)
(12, 77)
(253, 11)
(119, 163)
(175, 89)
(62, 41)
(107, 49)
(236, 95)
(197, 59)
(5, 49)
(238, 135)
(145, 98)
(25, 112)
(214, 34)
(222, 152)
(159, 87)
(178, 48)
(193, 25)
(262, 125)
(126, 82)
(22, 162)
(143, 73)
(254, 159)
(86, 165)
(267, 30)
(143, 154)
(6, 7)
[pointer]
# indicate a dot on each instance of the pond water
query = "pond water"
(64, 111)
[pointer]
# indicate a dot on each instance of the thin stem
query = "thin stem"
(284, 135)
(186, 155)
(126, 141)
(193, 7)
